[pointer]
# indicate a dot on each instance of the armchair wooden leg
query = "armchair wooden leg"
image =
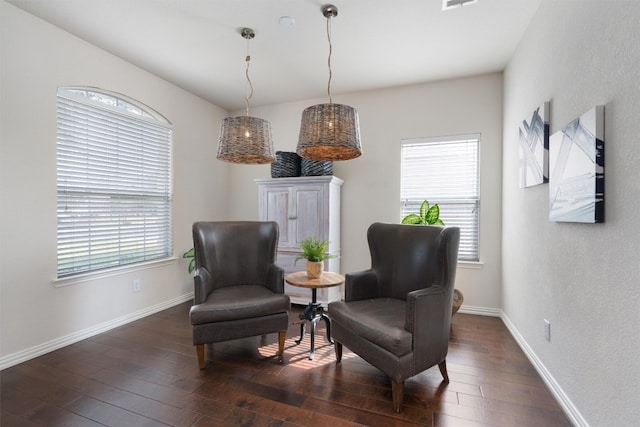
(443, 370)
(200, 352)
(282, 336)
(338, 348)
(397, 394)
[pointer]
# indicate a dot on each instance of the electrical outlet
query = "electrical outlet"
(547, 330)
(136, 285)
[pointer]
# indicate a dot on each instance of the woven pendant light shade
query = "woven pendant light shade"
(247, 140)
(329, 132)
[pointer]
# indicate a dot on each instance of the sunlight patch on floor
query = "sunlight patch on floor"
(297, 355)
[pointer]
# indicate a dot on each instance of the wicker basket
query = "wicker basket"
(286, 165)
(458, 298)
(316, 168)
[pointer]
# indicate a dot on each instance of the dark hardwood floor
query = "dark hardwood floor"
(146, 374)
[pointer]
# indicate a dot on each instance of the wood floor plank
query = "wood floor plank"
(9, 419)
(528, 414)
(110, 415)
(18, 402)
(26, 409)
(213, 422)
(221, 408)
(146, 374)
(31, 384)
(148, 408)
(442, 420)
(362, 416)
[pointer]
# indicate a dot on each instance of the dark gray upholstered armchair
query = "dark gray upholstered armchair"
(239, 290)
(397, 314)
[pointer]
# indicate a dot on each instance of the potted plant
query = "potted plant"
(427, 215)
(192, 264)
(314, 251)
(430, 215)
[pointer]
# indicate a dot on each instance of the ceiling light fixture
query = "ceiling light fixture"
(453, 4)
(287, 21)
(245, 139)
(330, 131)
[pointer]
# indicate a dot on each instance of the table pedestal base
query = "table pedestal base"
(314, 313)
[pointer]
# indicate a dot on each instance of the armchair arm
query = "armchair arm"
(275, 279)
(360, 285)
(428, 319)
(420, 302)
(202, 285)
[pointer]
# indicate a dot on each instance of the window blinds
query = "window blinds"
(445, 171)
(113, 187)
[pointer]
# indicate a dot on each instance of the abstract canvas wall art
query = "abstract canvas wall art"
(576, 161)
(534, 147)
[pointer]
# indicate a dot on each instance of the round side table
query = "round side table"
(314, 311)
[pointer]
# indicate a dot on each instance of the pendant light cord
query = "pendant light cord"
(248, 97)
(248, 34)
(329, 60)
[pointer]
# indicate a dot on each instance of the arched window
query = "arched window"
(114, 182)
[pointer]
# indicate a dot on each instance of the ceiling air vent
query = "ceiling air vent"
(452, 4)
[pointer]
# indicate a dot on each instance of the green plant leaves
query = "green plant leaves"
(424, 207)
(313, 250)
(433, 214)
(411, 219)
(427, 215)
(190, 254)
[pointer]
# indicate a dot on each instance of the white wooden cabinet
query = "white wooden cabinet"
(302, 207)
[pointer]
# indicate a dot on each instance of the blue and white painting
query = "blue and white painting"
(534, 147)
(576, 161)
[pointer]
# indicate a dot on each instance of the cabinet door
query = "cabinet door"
(278, 208)
(309, 213)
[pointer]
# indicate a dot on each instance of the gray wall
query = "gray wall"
(583, 278)
(36, 316)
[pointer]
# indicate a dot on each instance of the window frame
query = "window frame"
(151, 194)
(466, 217)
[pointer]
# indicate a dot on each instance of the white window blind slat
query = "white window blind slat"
(114, 183)
(445, 171)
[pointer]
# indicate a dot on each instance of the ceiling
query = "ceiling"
(196, 44)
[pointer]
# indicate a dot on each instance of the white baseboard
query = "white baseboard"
(39, 350)
(561, 397)
(480, 311)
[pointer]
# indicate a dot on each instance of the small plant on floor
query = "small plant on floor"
(190, 254)
(428, 215)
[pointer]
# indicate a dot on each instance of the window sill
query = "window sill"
(86, 277)
(472, 265)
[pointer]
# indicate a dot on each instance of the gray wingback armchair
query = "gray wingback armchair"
(397, 314)
(239, 290)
